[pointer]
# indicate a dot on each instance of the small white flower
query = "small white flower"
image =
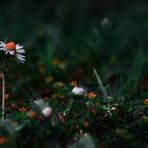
(47, 111)
(14, 50)
(78, 91)
(104, 21)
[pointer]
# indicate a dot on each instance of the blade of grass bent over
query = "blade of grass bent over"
(100, 84)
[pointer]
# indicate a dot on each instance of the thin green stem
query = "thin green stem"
(3, 96)
(4, 61)
(3, 89)
(68, 108)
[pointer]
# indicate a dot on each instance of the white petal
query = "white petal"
(5, 49)
(11, 52)
(20, 57)
(6, 52)
(2, 43)
(21, 51)
(18, 46)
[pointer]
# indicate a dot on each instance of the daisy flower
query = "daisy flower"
(14, 50)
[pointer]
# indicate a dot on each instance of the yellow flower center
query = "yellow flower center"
(11, 46)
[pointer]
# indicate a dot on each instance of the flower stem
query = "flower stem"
(68, 108)
(4, 61)
(3, 96)
(3, 88)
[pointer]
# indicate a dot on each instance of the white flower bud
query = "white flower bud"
(79, 91)
(47, 111)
